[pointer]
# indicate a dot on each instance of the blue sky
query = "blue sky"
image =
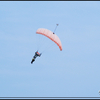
(72, 72)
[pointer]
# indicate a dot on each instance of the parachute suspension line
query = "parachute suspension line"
(48, 44)
(51, 46)
(38, 40)
(53, 32)
(55, 28)
(41, 40)
(45, 44)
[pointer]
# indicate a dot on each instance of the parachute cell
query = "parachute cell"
(50, 35)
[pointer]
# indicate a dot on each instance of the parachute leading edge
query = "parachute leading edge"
(50, 35)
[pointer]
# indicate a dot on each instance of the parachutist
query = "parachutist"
(36, 55)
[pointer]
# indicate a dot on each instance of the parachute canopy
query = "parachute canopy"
(50, 35)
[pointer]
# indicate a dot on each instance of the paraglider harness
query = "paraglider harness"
(36, 55)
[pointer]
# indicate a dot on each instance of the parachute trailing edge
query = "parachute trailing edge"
(50, 35)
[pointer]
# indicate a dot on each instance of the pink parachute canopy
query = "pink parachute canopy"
(50, 35)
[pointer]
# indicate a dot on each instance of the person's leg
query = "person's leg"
(32, 61)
